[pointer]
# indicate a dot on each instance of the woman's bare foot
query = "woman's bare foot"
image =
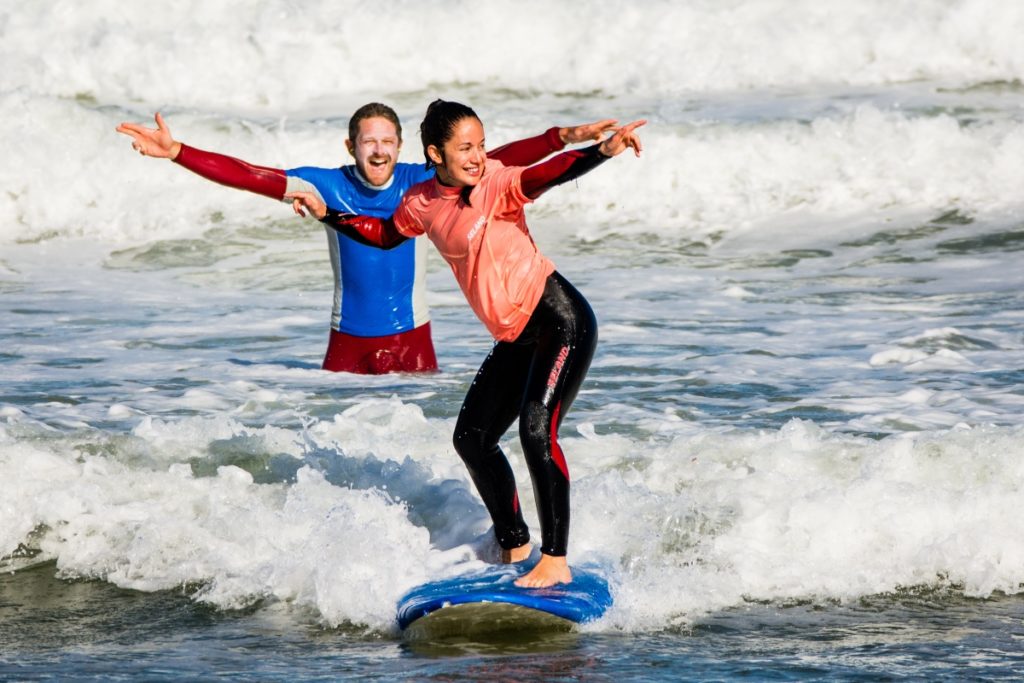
(516, 554)
(549, 571)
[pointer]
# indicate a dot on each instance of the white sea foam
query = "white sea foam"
(898, 356)
(685, 525)
(717, 520)
(692, 182)
(247, 84)
(283, 56)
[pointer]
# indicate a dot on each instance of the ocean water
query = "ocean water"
(799, 454)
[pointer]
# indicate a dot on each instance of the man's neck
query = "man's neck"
(367, 184)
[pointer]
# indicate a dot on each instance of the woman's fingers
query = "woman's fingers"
(630, 138)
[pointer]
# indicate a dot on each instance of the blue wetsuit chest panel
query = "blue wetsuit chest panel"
(377, 292)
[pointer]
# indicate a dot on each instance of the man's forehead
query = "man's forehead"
(377, 127)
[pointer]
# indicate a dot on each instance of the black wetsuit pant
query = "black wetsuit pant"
(534, 378)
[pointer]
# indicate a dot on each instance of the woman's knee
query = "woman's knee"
(472, 444)
(534, 425)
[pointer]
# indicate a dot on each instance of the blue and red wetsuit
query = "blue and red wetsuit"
(380, 321)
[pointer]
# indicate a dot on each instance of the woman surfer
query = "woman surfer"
(545, 330)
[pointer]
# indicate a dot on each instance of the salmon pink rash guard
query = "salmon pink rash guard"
(487, 244)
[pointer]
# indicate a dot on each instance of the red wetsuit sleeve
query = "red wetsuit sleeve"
(530, 150)
(376, 232)
(269, 182)
(536, 180)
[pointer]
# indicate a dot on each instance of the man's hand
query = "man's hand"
(309, 201)
(151, 142)
(586, 131)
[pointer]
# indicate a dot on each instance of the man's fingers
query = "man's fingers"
(137, 140)
(630, 138)
(602, 127)
(132, 129)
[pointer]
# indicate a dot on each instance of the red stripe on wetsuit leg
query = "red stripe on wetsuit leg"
(515, 501)
(556, 450)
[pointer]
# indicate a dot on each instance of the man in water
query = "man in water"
(380, 322)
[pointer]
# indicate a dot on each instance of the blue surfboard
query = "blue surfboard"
(490, 598)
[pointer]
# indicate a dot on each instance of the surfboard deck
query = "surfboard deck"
(490, 600)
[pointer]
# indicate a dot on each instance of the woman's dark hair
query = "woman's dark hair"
(438, 126)
(369, 111)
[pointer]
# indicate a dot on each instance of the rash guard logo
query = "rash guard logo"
(557, 370)
(476, 228)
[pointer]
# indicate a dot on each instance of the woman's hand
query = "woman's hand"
(586, 131)
(309, 201)
(623, 138)
(151, 142)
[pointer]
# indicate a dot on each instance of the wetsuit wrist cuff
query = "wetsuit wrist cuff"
(183, 153)
(337, 218)
(555, 139)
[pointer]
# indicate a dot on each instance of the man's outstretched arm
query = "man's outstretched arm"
(158, 143)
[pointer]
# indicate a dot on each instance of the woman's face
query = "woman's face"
(461, 162)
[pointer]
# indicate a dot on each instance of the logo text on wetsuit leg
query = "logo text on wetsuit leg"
(557, 370)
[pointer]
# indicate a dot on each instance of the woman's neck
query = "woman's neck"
(444, 178)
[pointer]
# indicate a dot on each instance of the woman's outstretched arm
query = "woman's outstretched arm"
(531, 150)
(376, 232)
(536, 180)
